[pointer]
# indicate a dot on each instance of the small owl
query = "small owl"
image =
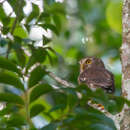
(94, 74)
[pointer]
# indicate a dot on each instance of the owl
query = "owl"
(94, 74)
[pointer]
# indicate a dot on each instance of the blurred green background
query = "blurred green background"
(67, 31)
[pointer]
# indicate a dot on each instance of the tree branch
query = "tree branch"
(125, 59)
(61, 81)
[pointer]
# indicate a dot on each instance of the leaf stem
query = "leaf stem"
(30, 124)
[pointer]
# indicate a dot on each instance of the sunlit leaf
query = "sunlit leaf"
(20, 32)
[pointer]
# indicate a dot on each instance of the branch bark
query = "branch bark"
(61, 81)
(125, 59)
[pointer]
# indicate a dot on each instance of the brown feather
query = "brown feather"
(97, 76)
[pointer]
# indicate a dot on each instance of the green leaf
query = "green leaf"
(100, 97)
(57, 107)
(57, 21)
(16, 120)
(72, 98)
(9, 128)
(46, 40)
(57, 8)
(8, 109)
(115, 104)
(99, 126)
(127, 102)
(36, 109)
(5, 29)
(60, 98)
(35, 76)
(38, 55)
(51, 126)
(3, 17)
(89, 117)
(43, 16)
(11, 98)
(33, 14)
(3, 42)
(51, 27)
(17, 6)
(20, 54)
(11, 79)
(53, 56)
(20, 32)
(7, 64)
(40, 90)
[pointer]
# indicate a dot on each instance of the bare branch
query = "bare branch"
(61, 81)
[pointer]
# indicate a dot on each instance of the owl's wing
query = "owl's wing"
(98, 77)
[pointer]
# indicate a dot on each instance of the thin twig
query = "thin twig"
(61, 81)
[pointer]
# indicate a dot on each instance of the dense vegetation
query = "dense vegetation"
(39, 42)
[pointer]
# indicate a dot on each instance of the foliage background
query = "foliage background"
(38, 37)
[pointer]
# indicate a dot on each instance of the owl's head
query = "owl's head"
(90, 62)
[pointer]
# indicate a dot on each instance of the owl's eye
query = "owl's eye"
(88, 61)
